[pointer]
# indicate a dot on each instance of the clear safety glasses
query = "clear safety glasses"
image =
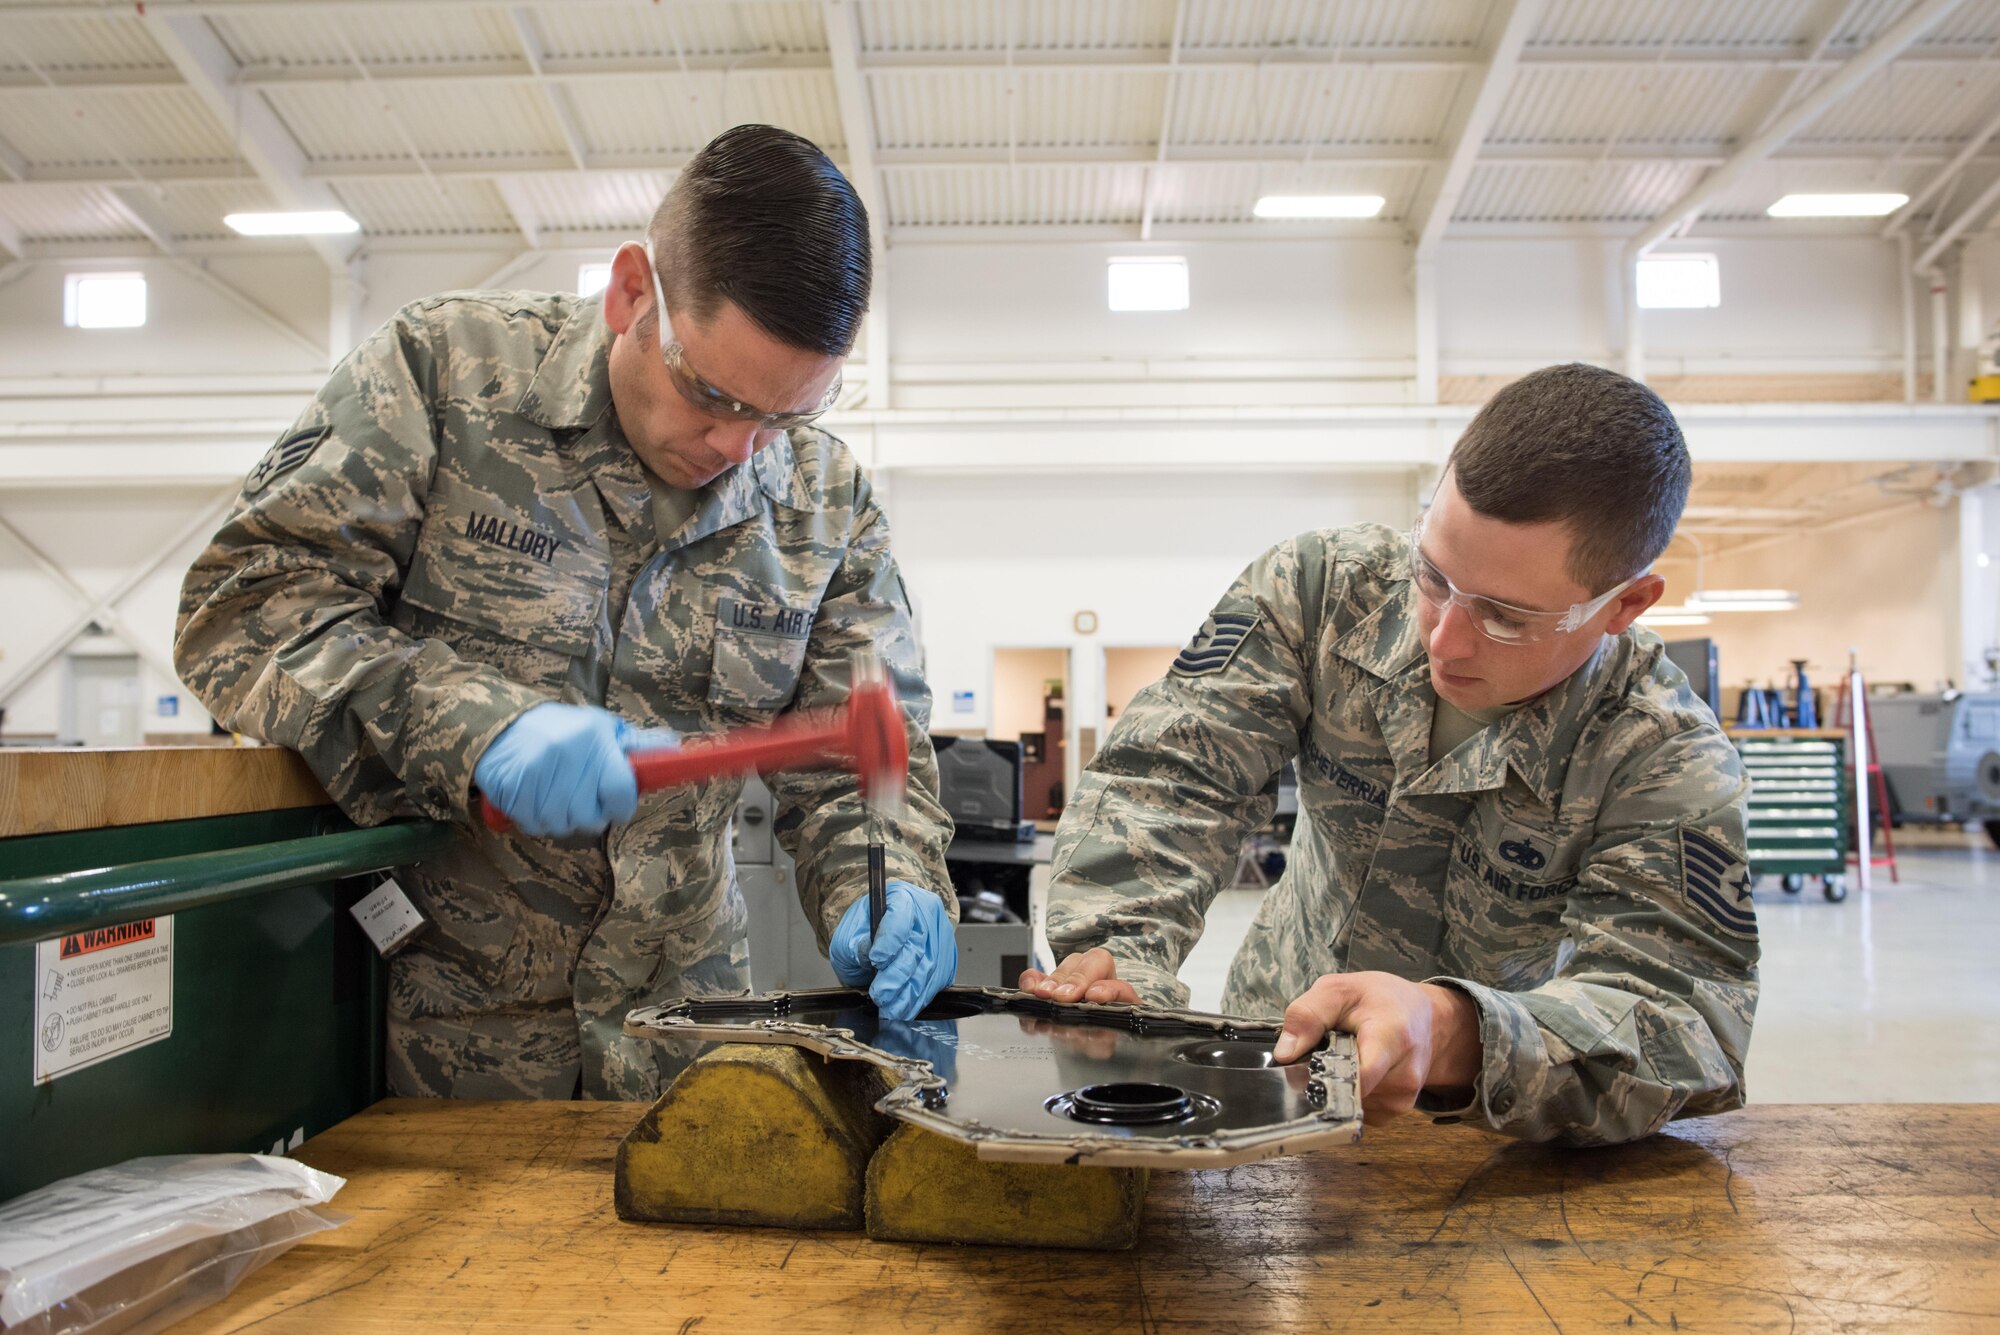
(1503, 623)
(707, 397)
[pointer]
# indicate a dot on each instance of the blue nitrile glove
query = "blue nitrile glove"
(560, 769)
(916, 958)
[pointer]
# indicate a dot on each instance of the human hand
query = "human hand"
(1410, 1036)
(559, 769)
(915, 958)
(1090, 975)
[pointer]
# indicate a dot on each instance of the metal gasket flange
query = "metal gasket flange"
(992, 1067)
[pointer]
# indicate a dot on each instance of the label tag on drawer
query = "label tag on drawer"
(389, 918)
(101, 992)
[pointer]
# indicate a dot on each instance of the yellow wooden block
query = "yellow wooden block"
(924, 1187)
(755, 1134)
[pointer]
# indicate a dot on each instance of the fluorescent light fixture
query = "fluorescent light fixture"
(104, 300)
(1318, 206)
(305, 222)
(1836, 206)
(1679, 282)
(1149, 283)
(592, 279)
(1743, 600)
(1666, 615)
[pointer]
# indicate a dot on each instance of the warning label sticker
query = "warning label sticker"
(102, 993)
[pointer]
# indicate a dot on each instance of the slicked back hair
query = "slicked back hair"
(1584, 447)
(763, 219)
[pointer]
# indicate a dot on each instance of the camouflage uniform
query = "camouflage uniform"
(1577, 869)
(457, 530)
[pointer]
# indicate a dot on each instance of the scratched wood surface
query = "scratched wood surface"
(498, 1217)
(87, 788)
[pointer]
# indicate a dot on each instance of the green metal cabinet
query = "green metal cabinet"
(277, 995)
(1800, 810)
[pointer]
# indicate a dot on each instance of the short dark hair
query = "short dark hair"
(762, 218)
(1585, 447)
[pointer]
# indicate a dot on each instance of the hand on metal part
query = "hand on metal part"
(561, 769)
(915, 958)
(1090, 975)
(1409, 1036)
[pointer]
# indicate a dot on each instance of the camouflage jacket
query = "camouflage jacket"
(1577, 869)
(457, 530)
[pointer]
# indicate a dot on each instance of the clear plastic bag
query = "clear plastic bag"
(132, 1249)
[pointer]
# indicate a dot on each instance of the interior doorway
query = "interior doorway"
(1030, 697)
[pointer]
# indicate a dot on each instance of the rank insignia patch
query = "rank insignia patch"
(1214, 644)
(283, 457)
(1717, 883)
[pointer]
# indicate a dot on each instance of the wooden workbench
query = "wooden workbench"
(498, 1217)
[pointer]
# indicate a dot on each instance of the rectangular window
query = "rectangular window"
(592, 279)
(104, 300)
(1679, 282)
(1151, 283)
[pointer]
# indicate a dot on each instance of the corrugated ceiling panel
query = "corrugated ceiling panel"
(1930, 104)
(1449, 28)
(1766, 182)
(460, 121)
(1028, 26)
(990, 196)
(418, 208)
(195, 212)
(413, 35)
(65, 45)
(574, 31)
(678, 113)
(1228, 194)
(145, 126)
(1303, 104)
(65, 213)
(567, 204)
(1769, 27)
(1654, 105)
(1973, 26)
(972, 109)
(1553, 193)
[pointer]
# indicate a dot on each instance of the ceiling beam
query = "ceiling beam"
(1473, 111)
(531, 43)
(11, 241)
(246, 118)
(857, 125)
(1834, 17)
(515, 198)
(1967, 216)
(1554, 155)
(1945, 175)
(1164, 138)
(1920, 17)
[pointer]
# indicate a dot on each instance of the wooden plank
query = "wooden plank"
(78, 788)
(1859, 1218)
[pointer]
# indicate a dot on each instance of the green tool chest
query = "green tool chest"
(1800, 814)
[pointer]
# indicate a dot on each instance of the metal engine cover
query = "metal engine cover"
(1031, 1081)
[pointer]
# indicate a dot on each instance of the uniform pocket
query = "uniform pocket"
(760, 648)
(510, 577)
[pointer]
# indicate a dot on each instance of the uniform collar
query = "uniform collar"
(740, 493)
(1535, 741)
(572, 386)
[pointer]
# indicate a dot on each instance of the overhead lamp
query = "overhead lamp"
(1837, 206)
(1743, 600)
(298, 222)
(1667, 615)
(1318, 206)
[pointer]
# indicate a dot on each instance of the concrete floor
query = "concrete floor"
(1890, 997)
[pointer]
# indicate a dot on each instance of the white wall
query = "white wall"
(996, 561)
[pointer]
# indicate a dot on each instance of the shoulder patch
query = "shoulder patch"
(1215, 644)
(1717, 883)
(283, 457)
